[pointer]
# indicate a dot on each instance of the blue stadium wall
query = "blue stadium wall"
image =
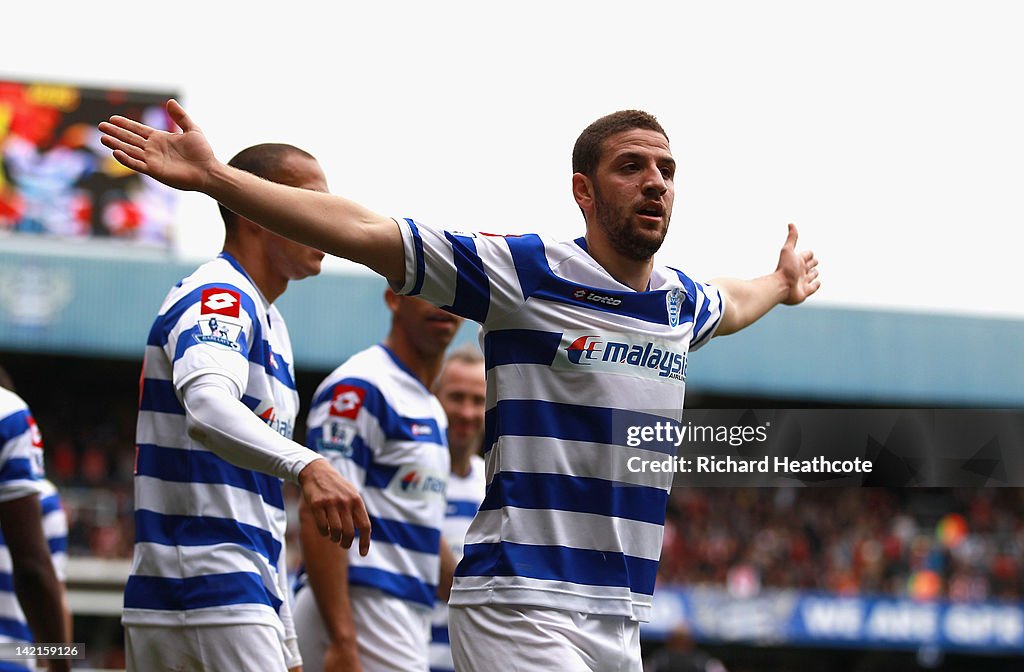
(99, 302)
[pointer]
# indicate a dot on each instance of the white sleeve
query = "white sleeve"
(709, 307)
(217, 419)
(474, 275)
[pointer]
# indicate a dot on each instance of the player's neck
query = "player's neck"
(462, 460)
(424, 366)
(270, 284)
(630, 272)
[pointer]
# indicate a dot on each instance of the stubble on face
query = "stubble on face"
(633, 192)
(630, 242)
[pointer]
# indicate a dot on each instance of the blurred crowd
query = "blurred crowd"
(90, 457)
(957, 544)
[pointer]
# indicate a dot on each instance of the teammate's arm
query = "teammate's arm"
(444, 585)
(329, 223)
(746, 301)
(35, 581)
(327, 572)
(292, 656)
(217, 419)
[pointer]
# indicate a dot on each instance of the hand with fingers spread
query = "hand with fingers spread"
(180, 160)
(336, 505)
(799, 269)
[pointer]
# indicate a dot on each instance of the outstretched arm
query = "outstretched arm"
(795, 278)
(330, 223)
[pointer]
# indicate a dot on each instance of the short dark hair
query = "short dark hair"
(587, 152)
(264, 161)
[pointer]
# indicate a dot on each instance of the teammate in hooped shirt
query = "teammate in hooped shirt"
(462, 390)
(208, 587)
(376, 420)
(560, 562)
(33, 538)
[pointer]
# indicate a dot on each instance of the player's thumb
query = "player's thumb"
(180, 117)
(791, 236)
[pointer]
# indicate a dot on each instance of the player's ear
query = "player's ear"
(583, 191)
(391, 300)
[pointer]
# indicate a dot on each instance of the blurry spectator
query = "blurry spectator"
(680, 654)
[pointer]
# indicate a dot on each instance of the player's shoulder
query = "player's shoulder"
(362, 372)
(11, 403)
(218, 287)
(491, 237)
(365, 364)
(222, 270)
(667, 277)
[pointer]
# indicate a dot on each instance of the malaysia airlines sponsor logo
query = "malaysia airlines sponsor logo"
(417, 482)
(282, 426)
(582, 351)
(625, 354)
(218, 331)
(589, 295)
(347, 401)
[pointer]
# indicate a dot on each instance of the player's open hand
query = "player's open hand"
(799, 269)
(180, 160)
(336, 505)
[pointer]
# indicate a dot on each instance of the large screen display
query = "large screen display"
(57, 180)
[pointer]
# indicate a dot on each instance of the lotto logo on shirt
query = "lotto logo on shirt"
(583, 294)
(347, 401)
(220, 301)
(624, 354)
(34, 434)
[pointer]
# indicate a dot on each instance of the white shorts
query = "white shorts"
(392, 634)
(207, 648)
(528, 639)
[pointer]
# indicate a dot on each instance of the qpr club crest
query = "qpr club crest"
(674, 305)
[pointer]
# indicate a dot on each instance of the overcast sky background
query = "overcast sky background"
(890, 132)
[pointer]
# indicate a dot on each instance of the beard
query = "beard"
(625, 239)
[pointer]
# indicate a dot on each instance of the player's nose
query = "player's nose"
(654, 181)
